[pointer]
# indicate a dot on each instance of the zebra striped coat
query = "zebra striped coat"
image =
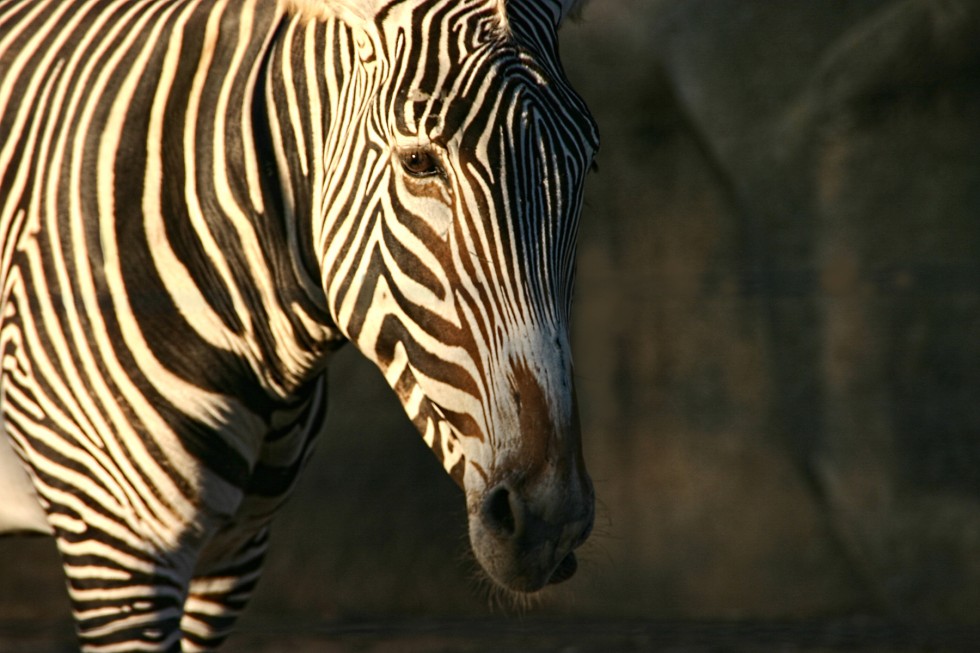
(200, 200)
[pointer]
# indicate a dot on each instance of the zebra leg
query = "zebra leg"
(230, 563)
(122, 599)
(223, 582)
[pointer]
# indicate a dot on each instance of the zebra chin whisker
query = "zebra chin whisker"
(508, 602)
(498, 599)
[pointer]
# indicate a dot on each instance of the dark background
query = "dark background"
(777, 340)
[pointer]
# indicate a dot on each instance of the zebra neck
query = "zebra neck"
(313, 101)
(229, 223)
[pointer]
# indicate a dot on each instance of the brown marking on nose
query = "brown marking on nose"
(538, 433)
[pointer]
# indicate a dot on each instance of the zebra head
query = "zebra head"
(447, 251)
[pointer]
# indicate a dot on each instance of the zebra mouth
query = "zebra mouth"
(565, 570)
(522, 566)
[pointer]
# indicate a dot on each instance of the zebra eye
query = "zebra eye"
(420, 163)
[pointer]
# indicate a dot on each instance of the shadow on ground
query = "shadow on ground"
(551, 635)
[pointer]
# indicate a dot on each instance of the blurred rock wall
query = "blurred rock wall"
(779, 305)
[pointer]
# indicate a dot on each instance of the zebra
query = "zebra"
(200, 201)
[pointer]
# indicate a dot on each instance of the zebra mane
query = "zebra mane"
(358, 11)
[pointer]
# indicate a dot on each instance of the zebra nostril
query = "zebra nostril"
(498, 511)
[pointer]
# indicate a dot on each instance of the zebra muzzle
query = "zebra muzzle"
(524, 548)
